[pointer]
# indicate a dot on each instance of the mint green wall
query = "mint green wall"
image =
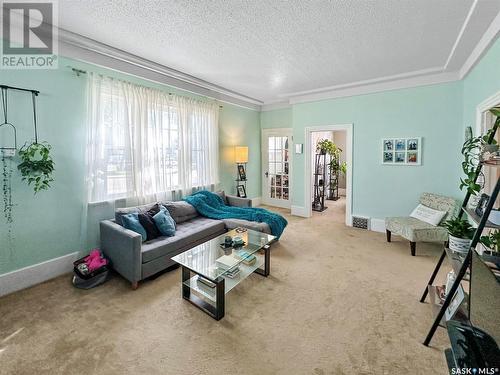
(278, 118)
(240, 127)
(49, 225)
(481, 83)
(431, 112)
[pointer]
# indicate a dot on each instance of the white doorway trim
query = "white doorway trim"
(348, 158)
(485, 119)
(483, 107)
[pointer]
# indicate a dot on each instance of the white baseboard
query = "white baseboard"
(299, 211)
(377, 225)
(28, 276)
(256, 201)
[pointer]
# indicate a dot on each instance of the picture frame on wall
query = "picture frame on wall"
(402, 151)
(240, 189)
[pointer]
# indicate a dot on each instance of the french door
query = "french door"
(276, 166)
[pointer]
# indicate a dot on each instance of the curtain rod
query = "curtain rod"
(36, 92)
(79, 71)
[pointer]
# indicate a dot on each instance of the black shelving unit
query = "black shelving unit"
(320, 183)
(333, 185)
(461, 265)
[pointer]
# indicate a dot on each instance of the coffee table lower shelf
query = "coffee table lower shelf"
(212, 300)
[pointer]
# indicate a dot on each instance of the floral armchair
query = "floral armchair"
(415, 230)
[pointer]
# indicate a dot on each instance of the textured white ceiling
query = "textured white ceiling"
(270, 49)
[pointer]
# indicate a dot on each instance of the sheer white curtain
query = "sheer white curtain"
(144, 143)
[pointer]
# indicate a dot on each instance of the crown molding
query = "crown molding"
(84, 49)
(423, 80)
(488, 38)
(364, 82)
(271, 106)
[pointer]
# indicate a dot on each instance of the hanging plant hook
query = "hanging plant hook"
(6, 122)
(33, 98)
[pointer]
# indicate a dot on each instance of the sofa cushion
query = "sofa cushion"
(222, 194)
(146, 220)
(187, 233)
(119, 212)
(252, 225)
(181, 211)
(131, 221)
(165, 222)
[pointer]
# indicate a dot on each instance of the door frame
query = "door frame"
(277, 132)
(348, 128)
(481, 119)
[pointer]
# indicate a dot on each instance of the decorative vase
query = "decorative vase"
(460, 245)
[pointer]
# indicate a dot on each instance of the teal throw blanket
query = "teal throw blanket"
(212, 206)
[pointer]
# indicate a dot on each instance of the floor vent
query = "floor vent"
(360, 222)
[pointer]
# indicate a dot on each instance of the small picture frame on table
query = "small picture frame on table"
(240, 189)
(455, 303)
(481, 205)
(241, 172)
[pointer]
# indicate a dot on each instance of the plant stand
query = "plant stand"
(319, 174)
(333, 185)
(461, 265)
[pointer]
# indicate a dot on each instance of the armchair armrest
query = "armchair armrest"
(238, 202)
(123, 247)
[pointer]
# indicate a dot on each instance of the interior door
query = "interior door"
(276, 166)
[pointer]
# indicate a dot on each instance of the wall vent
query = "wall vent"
(360, 222)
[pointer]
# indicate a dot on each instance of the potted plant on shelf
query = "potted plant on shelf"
(325, 146)
(492, 242)
(460, 234)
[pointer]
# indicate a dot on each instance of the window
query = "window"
(142, 141)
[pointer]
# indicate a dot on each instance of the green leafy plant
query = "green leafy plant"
(459, 228)
(492, 240)
(325, 146)
(472, 150)
(37, 165)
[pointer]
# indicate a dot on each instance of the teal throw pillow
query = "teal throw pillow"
(164, 222)
(131, 221)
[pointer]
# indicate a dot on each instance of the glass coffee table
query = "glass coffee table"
(218, 269)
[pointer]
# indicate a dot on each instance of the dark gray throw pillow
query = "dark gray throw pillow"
(146, 220)
(181, 211)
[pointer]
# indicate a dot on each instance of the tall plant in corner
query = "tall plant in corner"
(472, 150)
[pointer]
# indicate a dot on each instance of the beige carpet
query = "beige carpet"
(339, 301)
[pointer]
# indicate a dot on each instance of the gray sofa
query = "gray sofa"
(136, 260)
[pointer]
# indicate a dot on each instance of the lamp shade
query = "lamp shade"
(241, 154)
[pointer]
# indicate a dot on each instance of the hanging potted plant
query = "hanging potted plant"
(36, 165)
(460, 234)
